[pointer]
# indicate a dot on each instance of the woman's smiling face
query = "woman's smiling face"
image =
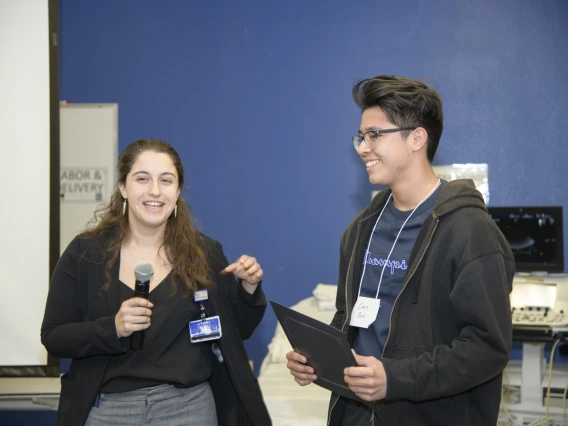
(152, 189)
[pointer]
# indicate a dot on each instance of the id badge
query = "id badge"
(205, 329)
(365, 312)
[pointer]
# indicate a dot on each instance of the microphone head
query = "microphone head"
(144, 271)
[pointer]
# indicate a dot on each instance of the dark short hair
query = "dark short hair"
(406, 103)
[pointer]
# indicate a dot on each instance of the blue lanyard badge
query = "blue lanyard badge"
(205, 328)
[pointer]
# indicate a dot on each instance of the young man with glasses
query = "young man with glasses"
(424, 278)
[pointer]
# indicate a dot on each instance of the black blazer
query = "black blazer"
(79, 323)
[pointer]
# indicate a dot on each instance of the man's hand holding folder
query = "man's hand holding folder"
(323, 356)
(368, 381)
(303, 374)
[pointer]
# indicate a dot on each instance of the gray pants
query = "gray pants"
(162, 405)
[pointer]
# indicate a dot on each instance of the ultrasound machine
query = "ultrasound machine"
(539, 309)
(539, 300)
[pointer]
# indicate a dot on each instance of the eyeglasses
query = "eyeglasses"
(371, 137)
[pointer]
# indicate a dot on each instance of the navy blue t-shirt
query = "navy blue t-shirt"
(370, 341)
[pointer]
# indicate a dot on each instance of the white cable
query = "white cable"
(543, 421)
(564, 401)
(550, 364)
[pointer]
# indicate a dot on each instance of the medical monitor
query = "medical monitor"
(535, 236)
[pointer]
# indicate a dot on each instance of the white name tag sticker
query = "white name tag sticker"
(365, 312)
(200, 296)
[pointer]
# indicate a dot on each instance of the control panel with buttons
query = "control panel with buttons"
(539, 304)
(539, 315)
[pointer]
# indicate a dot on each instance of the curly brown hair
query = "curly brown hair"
(182, 243)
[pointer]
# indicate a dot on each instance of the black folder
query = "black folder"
(324, 346)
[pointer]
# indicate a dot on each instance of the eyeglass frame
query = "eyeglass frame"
(363, 137)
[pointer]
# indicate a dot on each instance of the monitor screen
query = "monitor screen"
(534, 234)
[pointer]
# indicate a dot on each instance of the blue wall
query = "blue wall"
(256, 97)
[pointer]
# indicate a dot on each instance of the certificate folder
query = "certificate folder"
(324, 346)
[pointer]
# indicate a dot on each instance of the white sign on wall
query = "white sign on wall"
(475, 172)
(83, 184)
(89, 153)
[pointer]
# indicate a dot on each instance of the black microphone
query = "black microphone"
(143, 272)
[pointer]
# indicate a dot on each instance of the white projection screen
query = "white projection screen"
(29, 229)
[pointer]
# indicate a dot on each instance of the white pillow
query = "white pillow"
(325, 292)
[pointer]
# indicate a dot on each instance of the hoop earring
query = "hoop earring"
(176, 211)
(124, 207)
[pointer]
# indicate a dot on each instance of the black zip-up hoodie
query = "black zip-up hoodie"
(450, 329)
